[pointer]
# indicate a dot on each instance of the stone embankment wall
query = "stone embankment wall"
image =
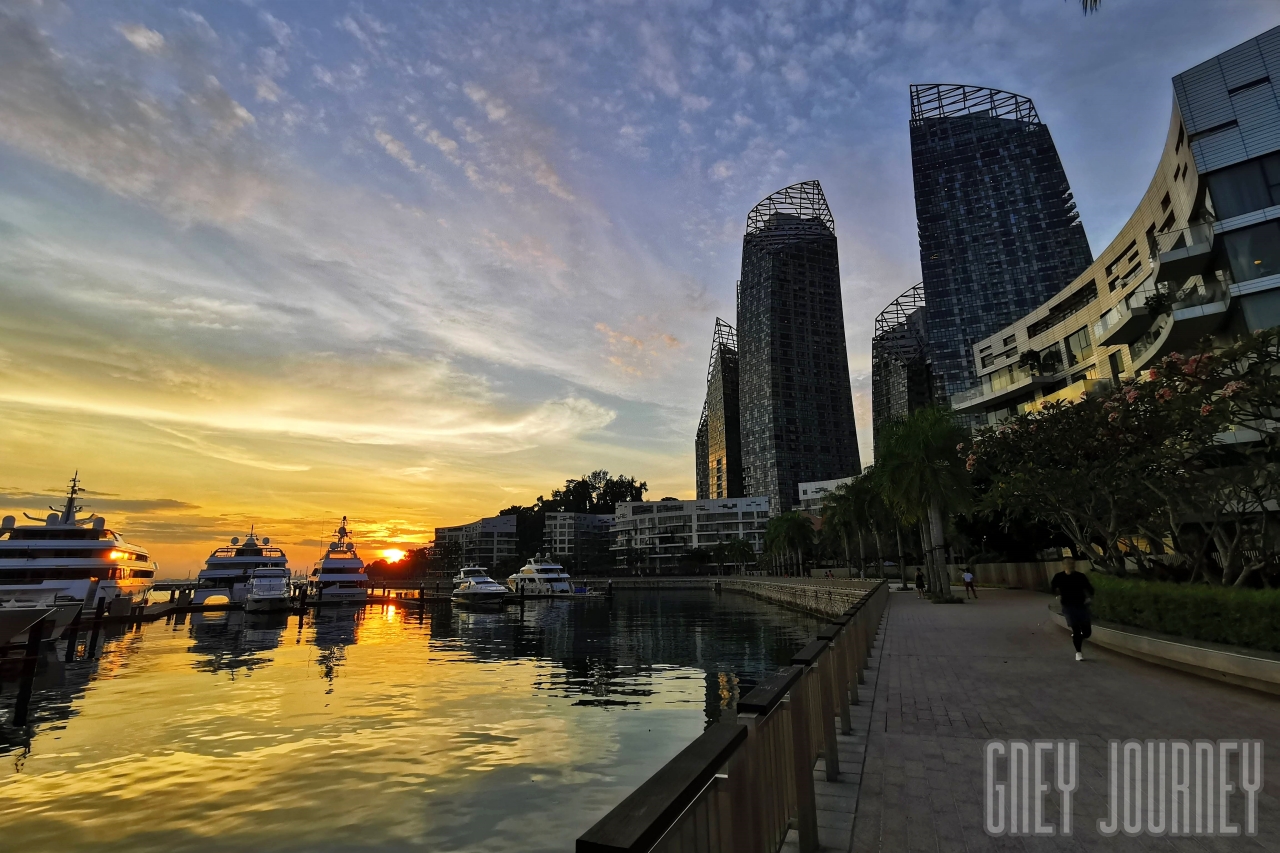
(825, 598)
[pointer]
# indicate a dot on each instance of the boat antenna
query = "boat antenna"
(70, 509)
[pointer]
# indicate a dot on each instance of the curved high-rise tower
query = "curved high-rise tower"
(796, 403)
(718, 446)
(900, 377)
(999, 232)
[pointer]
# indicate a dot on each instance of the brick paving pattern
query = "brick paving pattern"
(952, 676)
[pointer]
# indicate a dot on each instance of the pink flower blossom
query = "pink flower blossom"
(960, 447)
(1232, 387)
(1151, 374)
(1206, 409)
(1164, 395)
(1175, 357)
(1111, 418)
(1131, 394)
(970, 462)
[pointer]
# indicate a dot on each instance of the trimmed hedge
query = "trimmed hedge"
(1249, 618)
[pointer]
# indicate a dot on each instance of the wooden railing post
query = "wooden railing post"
(838, 633)
(802, 767)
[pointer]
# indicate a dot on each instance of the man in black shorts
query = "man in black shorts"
(1075, 591)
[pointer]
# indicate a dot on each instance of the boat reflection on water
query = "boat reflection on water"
(232, 640)
(335, 629)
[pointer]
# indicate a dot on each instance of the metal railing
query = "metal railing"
(1182, 238)
(741, 786)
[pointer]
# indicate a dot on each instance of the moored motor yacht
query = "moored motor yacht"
(268, 590)
(339, 576)
(226, 572)
(70, 562)
(472, 586)
(542, 578)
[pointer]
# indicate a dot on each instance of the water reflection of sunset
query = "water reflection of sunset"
(398, 726)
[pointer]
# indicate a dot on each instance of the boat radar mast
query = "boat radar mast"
(67, 515)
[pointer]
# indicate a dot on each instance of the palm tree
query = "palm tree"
(1090, 5)
(789, 534)
(840, 518)
(925, 481)
(739, 552)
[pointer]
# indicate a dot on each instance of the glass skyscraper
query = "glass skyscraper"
(796, 402)
(999, 232)
(719, 446)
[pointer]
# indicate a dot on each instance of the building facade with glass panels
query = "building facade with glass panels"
(796, 403)
(999, 233)
(1200, 256)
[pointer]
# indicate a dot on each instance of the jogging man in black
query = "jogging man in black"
(1074, 589)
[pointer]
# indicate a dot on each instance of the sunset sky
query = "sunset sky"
(274, 263)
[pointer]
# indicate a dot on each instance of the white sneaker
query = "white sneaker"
(1079, 656)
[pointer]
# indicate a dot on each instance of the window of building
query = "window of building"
(1246, 187)
(1079, 346)
(1254, 252)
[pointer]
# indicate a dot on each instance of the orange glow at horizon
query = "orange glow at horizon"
(392, 555)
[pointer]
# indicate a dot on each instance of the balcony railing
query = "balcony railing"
(1184, 252)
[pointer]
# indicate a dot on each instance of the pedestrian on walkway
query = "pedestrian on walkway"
(919, 583)
(1075, 592)
(968, 584)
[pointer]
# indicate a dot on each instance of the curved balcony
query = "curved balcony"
(984, 397)
(1200, 310)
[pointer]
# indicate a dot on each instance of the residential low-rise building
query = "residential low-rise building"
(578, 540)
(658, 534)
(484, 542)
(1200, 256)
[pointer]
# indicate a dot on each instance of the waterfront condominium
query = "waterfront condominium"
(900, 377)
(999, 233)
(1198, 260)
(484, 542)
(719, 449)
(795, 401)
(659, 534)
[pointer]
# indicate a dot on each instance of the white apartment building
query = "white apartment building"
(577, 539)
(665, 531)
(484, 542)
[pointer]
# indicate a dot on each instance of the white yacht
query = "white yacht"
(268, 590)
(16, 617)
(70, 562)
(541, 578)
(473, 586)
(226, 573)
(338, 577)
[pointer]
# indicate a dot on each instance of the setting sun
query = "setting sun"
(392, 555)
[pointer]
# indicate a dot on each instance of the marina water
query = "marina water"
(379, 727)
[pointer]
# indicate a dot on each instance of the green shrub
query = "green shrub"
(1249, 618)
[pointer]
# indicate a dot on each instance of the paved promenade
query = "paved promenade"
(951, 676)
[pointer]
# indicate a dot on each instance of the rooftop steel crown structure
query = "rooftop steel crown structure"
(946, 100)
(796, 404)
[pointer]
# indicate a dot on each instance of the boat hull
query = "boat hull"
(16, 621)
(266, 604)
(479, 599)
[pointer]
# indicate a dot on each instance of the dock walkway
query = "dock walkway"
(952, 676)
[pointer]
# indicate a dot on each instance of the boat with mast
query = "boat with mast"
(339, 577)
(70, 562)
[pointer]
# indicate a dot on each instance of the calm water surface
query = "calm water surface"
(381, 728)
